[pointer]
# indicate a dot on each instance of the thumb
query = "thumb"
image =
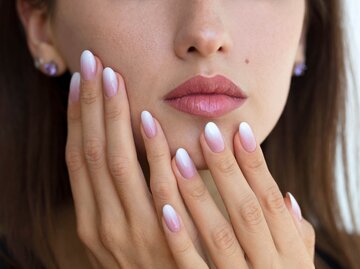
(305, 229)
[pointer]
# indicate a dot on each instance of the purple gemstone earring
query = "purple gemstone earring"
(49, 68)
(299, 69)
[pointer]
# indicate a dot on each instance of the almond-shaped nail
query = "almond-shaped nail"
(148, 124)
(214, 137)
(171, 219)
(74, 93)
(184, 163)
(88, 65)
(247, 137)
(110, 82)
(295, 206)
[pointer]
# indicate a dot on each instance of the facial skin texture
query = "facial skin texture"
(255, 43)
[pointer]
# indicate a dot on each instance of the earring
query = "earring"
(299, 69)
(49, 68)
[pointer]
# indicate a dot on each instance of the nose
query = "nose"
(201, 31)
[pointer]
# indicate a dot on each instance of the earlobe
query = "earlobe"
(36, 24)
(300, 59)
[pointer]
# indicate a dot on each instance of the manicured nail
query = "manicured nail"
(88, 65)
(247, 137)
(110, 82)
(184, 163)
(295, 206)
(148, 124)
(74, 93)
(171, 219)
(214, 138)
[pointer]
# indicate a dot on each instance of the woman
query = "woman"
(165, 99)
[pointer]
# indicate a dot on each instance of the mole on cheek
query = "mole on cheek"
(247, 61)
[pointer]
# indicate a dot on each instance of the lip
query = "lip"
(207, 97)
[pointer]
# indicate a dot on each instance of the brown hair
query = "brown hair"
(301, 150)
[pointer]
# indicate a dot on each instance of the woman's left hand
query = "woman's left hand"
(265, 230)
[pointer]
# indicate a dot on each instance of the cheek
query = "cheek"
(271, 45)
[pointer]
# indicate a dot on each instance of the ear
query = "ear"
(37, 26)
(301, 51)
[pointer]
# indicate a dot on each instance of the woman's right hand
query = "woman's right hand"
(118, 219)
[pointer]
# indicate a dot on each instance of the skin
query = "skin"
(158, 44)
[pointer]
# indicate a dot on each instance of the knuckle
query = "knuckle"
(310, 234)
(74, 159)
(161, 190)
(250, 211)
(224, 239)
(227, 165)
(109, 235)
(256, 163)
(113, 114)
(157, 156)
(119, 166)
(94, 152)
(198, 192)
(183, 249)
(74, 115)
(274, 201)
(87, 236)
(88, 94)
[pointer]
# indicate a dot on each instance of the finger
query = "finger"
(83, 196)
(180, 243)
(217, 233)
(121, 153)
(94, 141)
(240, 201)
(162, 180)
(253, 165)
(305, 229)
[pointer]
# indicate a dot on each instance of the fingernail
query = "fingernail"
(110, 82)
(214, 138)
(74, 93)
(295, 206)
(171, 219)
(148, 123)
(247, 137)
(88, 65)
(184, 163)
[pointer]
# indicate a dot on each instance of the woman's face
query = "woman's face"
(158, 44)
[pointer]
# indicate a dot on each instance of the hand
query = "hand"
(118, 220)
(262, 232)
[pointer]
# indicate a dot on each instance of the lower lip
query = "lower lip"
(206, 105)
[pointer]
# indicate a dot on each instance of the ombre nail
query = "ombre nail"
(184, 163)
(88, 65)
(295, 206)
(247, 137)
(110, 82)
(214, 138)
(171, 219)
(148, 123)
(74, 93)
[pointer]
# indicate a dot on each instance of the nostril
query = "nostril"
(191, 49)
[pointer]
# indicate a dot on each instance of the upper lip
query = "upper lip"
(204, 85)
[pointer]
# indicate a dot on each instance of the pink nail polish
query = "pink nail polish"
(88, 65)
(148, 123)
(171, 219)
(110, 82)
(295, 206)
(74, 93)
(214, 138)
(184, 163)
(247, 137)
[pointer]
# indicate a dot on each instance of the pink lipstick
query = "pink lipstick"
(206, 97)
